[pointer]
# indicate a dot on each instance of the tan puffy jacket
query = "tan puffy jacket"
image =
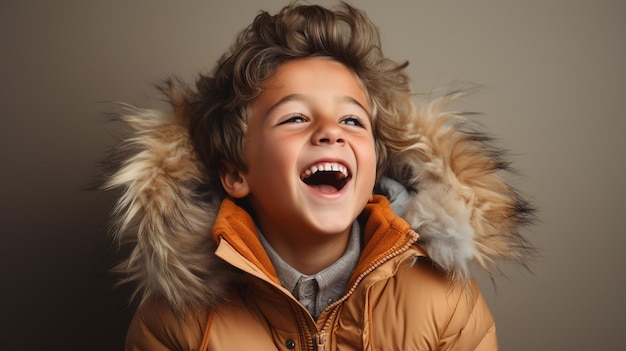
(204, 278)
(396, 300)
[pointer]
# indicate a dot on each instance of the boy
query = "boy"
(257, 226)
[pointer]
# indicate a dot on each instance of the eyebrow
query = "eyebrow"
(300, 97)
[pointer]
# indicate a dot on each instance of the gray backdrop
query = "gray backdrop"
(553, 80)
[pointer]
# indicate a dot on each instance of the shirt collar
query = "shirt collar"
(333, 276)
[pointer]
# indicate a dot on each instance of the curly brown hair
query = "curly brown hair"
(221, 103)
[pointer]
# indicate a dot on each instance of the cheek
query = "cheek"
(373, 148)
(254, 155)
(379, 151)
(369, 156)
(268, 159)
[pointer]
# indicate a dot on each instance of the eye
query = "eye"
(353, 121)
(294, 118)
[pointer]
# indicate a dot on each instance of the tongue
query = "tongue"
(324, 188)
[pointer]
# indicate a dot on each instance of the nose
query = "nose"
(328, 133)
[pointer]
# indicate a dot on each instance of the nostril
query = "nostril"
(332, 141)
(328, 135)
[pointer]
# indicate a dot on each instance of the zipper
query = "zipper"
(319, 339)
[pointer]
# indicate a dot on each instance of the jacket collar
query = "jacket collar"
(385, 234)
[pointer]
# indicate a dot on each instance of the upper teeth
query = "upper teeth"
(326, 167)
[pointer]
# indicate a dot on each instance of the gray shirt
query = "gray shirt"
(318, 291)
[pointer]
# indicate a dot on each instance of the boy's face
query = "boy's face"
(310, 151)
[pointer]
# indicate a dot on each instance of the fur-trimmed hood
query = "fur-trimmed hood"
(447, 186)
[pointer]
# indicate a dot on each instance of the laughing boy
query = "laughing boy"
(296, 199)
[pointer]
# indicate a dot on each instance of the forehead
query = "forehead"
(312, 66)
(315, 78)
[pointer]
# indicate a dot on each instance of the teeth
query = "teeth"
(326, 167)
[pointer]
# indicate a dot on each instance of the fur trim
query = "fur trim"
(163, 212)
(461, 208)
(458, 204)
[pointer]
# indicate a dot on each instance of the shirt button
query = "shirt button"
(329, 301)
(309, 289)
(290, 344)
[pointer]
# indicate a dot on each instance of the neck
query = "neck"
(309, 254)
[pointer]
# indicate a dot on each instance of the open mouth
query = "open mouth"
(327, 177)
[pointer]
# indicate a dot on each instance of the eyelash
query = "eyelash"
(354, 121)
(295, 118)
(350, 120)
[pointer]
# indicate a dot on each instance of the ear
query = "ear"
(234, 182)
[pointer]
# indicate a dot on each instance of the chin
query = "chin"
(330, 226)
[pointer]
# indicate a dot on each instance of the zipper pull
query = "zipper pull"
(320, 341)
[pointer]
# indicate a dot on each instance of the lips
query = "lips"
(326, 177)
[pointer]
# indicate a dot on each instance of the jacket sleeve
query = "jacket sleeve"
(471, 325)
(154, 327)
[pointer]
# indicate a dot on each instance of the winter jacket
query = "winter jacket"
(205, 282)
(396, 300)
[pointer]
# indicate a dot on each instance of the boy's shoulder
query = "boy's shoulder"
(430, 296)
(423, 277)
(156, 325)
